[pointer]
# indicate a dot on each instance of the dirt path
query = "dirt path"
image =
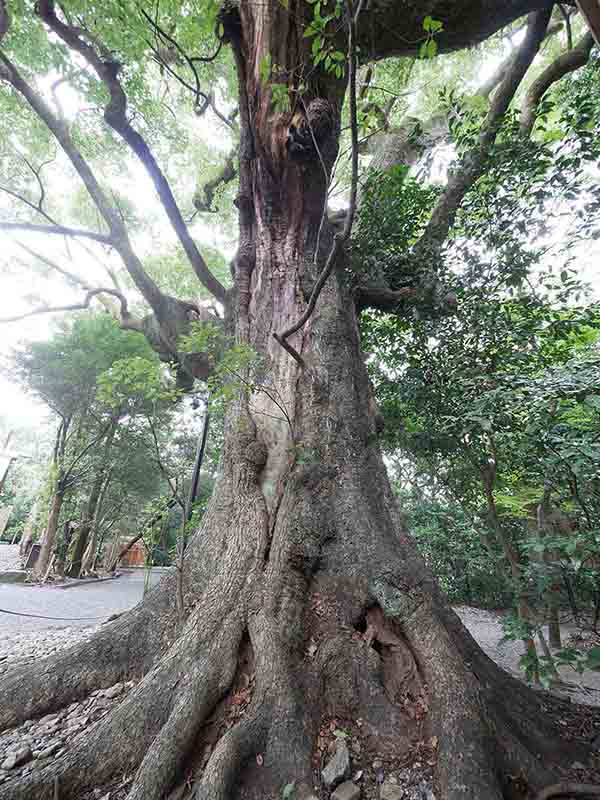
(486, 628)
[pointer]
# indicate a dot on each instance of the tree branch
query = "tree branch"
(382, 298)
(115, 115)
(118, 237)
(74, 306)
(396, 29)
(473, 163)
(567, 62)
(226, 174)
(591, 12)
(488, 86)
(58, 230)
(569, 789)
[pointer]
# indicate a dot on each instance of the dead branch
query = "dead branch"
(73, 306)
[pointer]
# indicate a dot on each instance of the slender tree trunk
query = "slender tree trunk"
(554, 635)
(90, 551)
(516, 570)
(64, 548)
(49, 540)
(85, 528)
(92, 506)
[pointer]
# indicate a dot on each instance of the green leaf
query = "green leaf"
(427, 23)
(288, 791)
(593, 658)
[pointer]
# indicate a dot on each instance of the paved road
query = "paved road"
(97, 600)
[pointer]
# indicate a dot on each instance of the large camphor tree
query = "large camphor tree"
(302, 588)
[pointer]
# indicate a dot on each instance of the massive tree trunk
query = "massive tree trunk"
(303, 592)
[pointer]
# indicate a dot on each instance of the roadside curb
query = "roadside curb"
(12, 576)
(85, 581)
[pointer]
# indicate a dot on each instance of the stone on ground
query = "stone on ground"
(346, 791)
(338, 768)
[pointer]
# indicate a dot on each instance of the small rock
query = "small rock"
(596, 744)
(377, 764)
(20, 756)
(338, 767)
(346, 791)
(390, 791)
(114, 691)
(577, 765)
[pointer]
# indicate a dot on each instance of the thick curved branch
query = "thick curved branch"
(58, 230)
(382, 298)
(203, 199)
(487, 87)
(115, 114)
(474, 162)
(565, 63)
(396, 29)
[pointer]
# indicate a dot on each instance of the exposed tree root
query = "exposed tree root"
(124, 648)
(566, 789)
(375, 643)
(157, 720)
(207, 682)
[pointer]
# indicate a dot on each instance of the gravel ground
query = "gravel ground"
(486, 628)
(9, 557)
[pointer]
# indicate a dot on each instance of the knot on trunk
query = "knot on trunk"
(256, 454)
(311, 129)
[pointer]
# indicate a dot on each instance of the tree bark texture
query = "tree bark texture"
(302, 588)
(49, 540)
